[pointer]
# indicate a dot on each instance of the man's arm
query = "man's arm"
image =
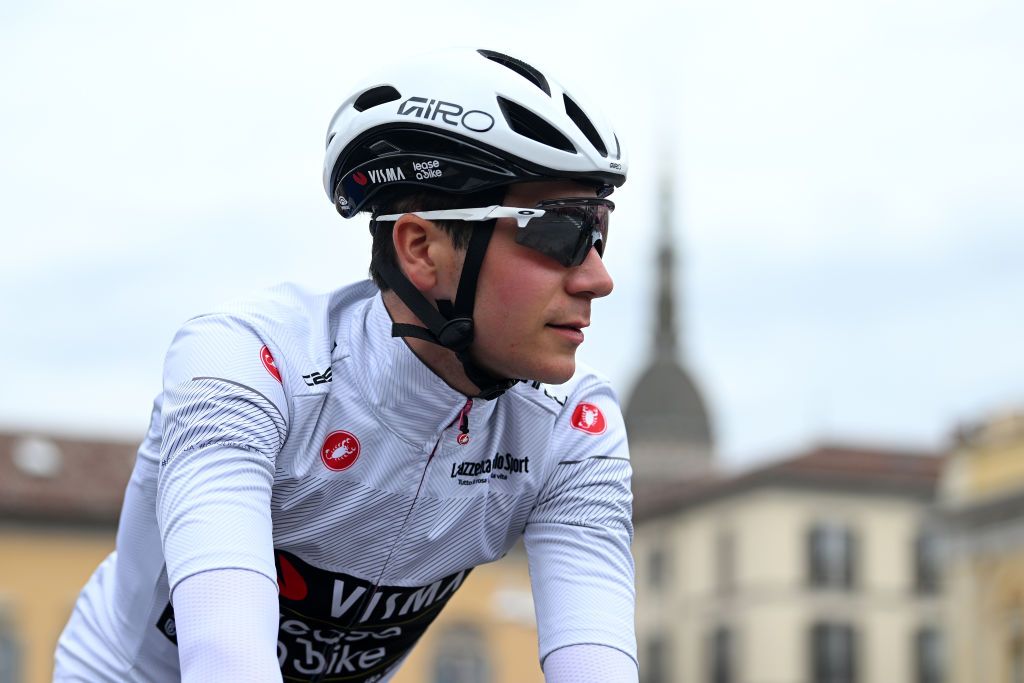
(224, 422)
(579, 533)
(227, 622)
(589, 663)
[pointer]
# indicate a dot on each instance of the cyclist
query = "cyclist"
(322, 470)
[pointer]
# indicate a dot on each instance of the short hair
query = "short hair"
(424, 200)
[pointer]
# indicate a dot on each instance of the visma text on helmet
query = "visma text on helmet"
(451, 113)
(385, 175)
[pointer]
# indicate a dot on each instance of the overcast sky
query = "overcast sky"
(849, 194)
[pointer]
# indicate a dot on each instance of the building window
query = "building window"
(833, 653)
(725, 561)
(10, 650)
(927, 563)
(656, 568)
(1016, 652)
(928, 655)
(654, 668)
(831, 555)
(722, 656)
(461, 656)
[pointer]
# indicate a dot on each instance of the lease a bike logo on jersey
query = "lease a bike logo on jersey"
(347, 629)
(338, 627)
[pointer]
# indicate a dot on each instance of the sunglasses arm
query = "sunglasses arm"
(522, 216)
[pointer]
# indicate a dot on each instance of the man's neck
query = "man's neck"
(443, 362)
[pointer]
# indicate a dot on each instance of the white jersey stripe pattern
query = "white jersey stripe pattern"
(297, 439)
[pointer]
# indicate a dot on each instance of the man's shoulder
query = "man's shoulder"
(291, 299)
(291, 328)
(290, 308)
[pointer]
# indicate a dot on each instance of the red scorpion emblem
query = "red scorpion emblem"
(588, 418)
(340, 450)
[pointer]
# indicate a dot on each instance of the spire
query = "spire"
(667, 420)
(666, 344)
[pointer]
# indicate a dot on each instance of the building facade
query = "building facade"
(59, 500)
(982, 517)
(816, 569)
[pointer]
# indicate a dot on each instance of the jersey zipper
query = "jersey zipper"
(463, 419)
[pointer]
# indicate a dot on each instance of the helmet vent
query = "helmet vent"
(584, 124)
(526, 123)
(618, 148)
(376, 96)
(520, 67)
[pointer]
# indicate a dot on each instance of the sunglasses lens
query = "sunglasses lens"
(567, 230)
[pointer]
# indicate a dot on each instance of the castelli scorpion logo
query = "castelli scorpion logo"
(269, 364)
(340, 450)
(588, 418)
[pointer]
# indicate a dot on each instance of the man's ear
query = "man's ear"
(423, 251)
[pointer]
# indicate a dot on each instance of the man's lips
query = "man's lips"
(571, 325)
(572, 330)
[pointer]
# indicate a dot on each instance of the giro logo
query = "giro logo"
(386, 175)
(449, 112)
(588, 418)
(340, 450)
(360, 178)
(268, 363)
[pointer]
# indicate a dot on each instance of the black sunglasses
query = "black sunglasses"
(564, 229)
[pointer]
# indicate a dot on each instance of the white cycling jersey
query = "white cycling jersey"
(296, 438)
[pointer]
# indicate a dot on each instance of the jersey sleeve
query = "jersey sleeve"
(224, 420)
(579, 533)
(589, 664)
(211, 647)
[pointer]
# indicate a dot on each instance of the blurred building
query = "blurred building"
(982, 502)
(59, 503)
(486, 634)
(818, 568)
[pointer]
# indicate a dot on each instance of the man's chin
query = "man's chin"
(557, 370)
(556, 375)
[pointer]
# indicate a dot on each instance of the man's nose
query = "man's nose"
(591, 277)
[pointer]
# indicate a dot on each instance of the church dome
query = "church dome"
(666, 406)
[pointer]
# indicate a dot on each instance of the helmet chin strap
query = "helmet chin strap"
(450, 324)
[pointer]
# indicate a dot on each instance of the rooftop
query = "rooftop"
(63, 480)
(913, 474)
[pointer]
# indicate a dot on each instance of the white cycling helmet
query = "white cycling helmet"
(460, 121)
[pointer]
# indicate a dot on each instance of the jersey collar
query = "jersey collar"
(405, 394)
